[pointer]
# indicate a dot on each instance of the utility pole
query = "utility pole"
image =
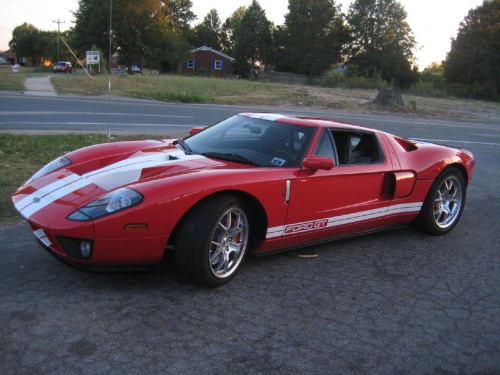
(110, 17)
(58, 37)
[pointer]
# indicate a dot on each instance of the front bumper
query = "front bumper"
(106, 253)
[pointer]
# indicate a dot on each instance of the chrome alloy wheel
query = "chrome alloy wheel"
(229, 242)
(448, 202)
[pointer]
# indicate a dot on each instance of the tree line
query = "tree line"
(372, 39)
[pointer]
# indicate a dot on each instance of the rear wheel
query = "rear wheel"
(212, 240)
(444, 203)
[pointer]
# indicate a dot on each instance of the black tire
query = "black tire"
(212, 240)
(443, 204)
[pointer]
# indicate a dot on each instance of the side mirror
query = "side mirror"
(314, 163)
(193, 131)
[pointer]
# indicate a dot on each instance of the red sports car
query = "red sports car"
(254, 183)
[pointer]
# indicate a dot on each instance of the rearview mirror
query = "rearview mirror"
(315, 162)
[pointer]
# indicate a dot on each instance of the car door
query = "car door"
(345, 199)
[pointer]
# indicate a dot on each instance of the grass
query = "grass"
(22, 155)
(13, 81)
(180, 89)
(172, 88)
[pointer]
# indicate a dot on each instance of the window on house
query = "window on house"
(218, 65)
(190, 64)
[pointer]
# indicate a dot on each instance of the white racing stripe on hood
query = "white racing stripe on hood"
(20, 205)
(110, 177)
(39, 202)
(267, 116)
(129, 170)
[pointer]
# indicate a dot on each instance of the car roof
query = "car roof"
(305, 121)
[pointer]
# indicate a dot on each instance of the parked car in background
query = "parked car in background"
(63, 67)
(136, 69)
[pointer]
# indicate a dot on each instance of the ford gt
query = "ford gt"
(253, 183)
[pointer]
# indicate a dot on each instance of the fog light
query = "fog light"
(86, 249)
(77, 248)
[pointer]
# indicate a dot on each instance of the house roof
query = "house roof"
(209, 49)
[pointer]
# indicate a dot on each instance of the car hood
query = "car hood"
(98, 169)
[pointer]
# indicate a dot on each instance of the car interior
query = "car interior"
(347, 147)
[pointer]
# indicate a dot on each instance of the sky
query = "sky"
(433, 22)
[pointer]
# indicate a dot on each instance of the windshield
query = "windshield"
(253, 141)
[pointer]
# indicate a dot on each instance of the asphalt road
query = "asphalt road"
(19, 112)
(395, 302)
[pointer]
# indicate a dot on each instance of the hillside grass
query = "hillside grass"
(204, 90)
(173, 88)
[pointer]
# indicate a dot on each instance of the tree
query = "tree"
(475, 52)
(24, 39)
(229, 27)
(314, 35)
(381, 41)
(253, 40)
(167, 50)
(434, 73)
(91, 26)
(140, 28)
(283, 62)
(178, 14)
(46, 46)
(209, 32)
(28, 41)
(132, 22)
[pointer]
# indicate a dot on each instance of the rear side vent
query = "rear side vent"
(406, 144)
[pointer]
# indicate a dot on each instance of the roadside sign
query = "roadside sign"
(92, 57)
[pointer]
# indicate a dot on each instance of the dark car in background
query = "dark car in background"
(63, 67)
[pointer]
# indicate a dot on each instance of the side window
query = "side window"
(324, 147)
(357, 147)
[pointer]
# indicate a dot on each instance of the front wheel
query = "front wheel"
(212, 240)
(444, 203)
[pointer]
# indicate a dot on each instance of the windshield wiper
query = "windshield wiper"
(229, 156)
(187, 150)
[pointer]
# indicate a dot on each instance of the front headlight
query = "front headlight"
(115, 201)
(52, 166)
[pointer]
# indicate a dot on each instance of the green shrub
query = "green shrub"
(42, 69)
(429, 89)
(487, 91)
(336, 79)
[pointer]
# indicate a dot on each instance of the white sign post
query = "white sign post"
(93, 58)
